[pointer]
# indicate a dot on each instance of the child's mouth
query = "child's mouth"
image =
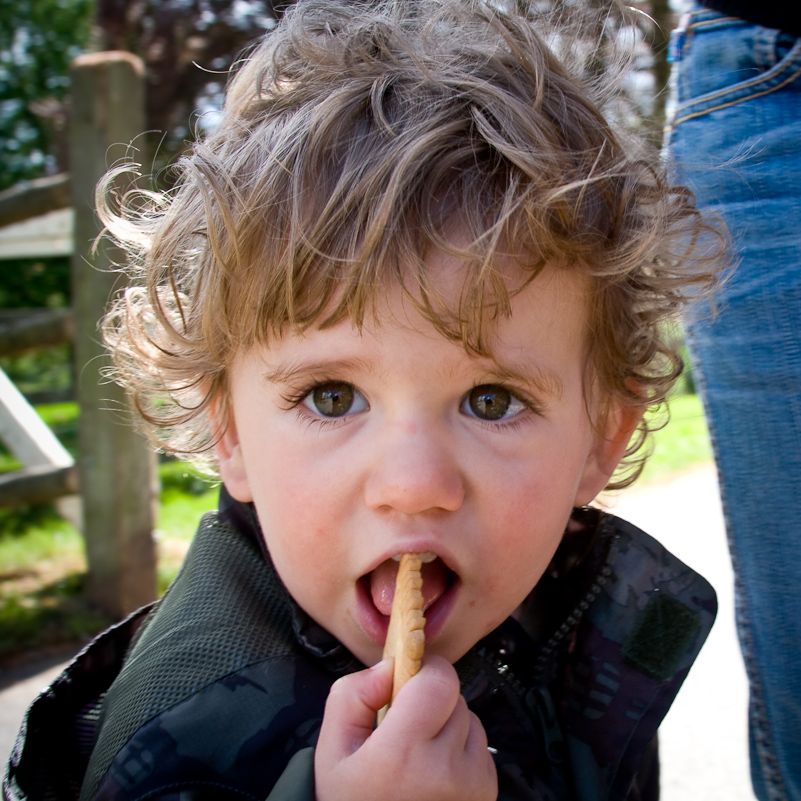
(376, 590)
(437, 579)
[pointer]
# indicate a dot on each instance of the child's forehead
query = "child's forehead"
(440, 275)
(551, 306)
(455, 284)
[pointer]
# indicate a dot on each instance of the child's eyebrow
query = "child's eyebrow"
(544, 381)
(289, 371)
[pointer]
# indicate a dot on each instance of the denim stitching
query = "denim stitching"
(762, 49)
(734, 102)
(742, 90)
(758, 714)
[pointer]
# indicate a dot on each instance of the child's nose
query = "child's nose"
(414, 472)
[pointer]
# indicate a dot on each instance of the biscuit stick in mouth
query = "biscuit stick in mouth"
(406, 636)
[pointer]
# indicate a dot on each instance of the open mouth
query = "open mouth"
(439, 581)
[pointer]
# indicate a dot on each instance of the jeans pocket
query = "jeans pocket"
(721, 61)
(784, 45)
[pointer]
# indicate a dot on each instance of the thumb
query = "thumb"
(352, 705)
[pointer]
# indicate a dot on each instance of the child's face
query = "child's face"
(357, 446)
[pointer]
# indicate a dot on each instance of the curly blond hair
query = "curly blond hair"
(352, 137)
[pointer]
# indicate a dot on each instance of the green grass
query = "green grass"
(36, 537)
(49, 615)
(42, 565)
(682, 443)
(42, 570)
(185, 497)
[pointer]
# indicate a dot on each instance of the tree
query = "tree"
(38, 39)
(188, 47)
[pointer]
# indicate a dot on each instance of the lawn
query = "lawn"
(42, 564)
(683, 443)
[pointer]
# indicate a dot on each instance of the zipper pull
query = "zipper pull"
(539, 700)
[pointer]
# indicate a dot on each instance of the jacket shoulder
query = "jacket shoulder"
(216, 673)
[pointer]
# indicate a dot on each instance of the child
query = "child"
(410, 296)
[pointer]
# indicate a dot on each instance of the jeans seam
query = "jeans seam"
(736, 101)
(760, 725)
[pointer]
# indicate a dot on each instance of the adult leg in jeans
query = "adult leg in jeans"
(735, 139)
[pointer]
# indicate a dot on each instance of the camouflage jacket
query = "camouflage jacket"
(217, 691)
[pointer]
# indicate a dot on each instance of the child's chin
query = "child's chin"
(367, 652)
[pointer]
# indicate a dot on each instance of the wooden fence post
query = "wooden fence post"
(117, 467)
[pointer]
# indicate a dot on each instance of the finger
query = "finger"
(476, 742)
(426, 702)
(479, 757)
(454, 734)
(352, 705)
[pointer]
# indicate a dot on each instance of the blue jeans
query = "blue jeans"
(735, 139)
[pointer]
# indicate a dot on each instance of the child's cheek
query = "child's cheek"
(297, 502)
(529, 501)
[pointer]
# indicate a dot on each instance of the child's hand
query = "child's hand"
(429, 747)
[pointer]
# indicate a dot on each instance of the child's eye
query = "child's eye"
(492, 402)
(335, 399)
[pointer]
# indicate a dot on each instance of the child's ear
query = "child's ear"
(230, 460)
(611, 440)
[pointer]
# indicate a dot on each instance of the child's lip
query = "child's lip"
(421, 548)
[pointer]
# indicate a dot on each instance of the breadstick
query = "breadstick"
(405, 636)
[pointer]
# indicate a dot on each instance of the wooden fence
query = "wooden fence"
(115, 472)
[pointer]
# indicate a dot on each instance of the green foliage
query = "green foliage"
(40, 371)
(34, 536)
(180, 512)
(35, 283)
(38, 39)
(61, 417)
(27, 521)
(185, 496)
(180, 478)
